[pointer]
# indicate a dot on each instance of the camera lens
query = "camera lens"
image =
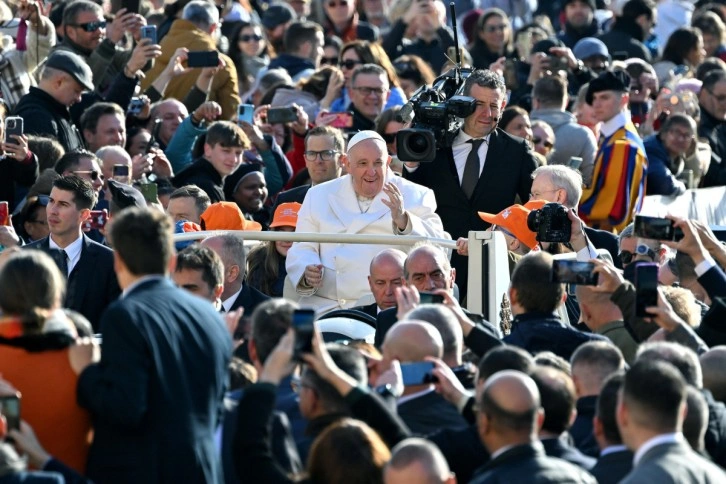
(533, 220)
(418, 144)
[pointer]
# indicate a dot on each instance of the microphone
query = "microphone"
(405, 114)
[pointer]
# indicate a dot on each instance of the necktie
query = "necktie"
(61, 257)
(471, 169)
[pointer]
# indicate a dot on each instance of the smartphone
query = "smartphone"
(97, 220)
(149, 32)
(281, 115)
(135, 106)
(420, 373)
(342, 120)
(120, 171)
(154, 136)
(575, 162)
(646, 287)
(150, 192)
(245, 112)
(656, 228)
(574, 272)
(303, 324)
(428, 298)
(129, 5)
(557, 63)
(203, 58)
(4, 214)
(10, 408)
(13, 126)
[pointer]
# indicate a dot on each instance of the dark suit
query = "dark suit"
(370, 309)
(429, 413)
(581, 430)
(507, 173)
(674, 462)
(296, 194)
(603, 239)
(562, 449)
(528, 463)
(249, 298)
(613, 467)
(92, 285)
(156, 395)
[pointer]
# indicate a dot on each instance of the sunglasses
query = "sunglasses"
(547, 144)
(490, 29)
(341, 3)
(333, 61)
(95, 175)
(91, 26)
(349, 63)
(250, 38)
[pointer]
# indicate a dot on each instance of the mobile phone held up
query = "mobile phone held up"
(97, 220)
(13, 126)
(281, 115)
(245, 112)
(656, 228)
(303, 323)
(10, 409)
(420, 373)
(342, 120)
(574, 272)
(149, 32)
(428, 298)
(203, 58)
(646, 287)
(4, 213)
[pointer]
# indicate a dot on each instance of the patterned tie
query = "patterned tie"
(471, 169)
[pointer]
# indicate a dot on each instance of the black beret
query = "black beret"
(608, 81)
(125, 196)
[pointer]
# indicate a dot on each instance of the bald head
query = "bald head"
(428, 268)
(411, 341)
(388, 257)
(596, 307)
(714, 378)
(386, 274)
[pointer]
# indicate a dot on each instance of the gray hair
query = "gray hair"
(106, 150)
(370, 69)
(233, 250)
(627, 233)
(443, 319)
(201, 13)
(563, 177)
(71, 12)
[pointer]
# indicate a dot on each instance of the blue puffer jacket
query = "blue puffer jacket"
(661, 180)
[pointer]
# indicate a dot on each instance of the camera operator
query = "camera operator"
(492, 167)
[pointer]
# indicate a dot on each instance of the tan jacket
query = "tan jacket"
(224, 88)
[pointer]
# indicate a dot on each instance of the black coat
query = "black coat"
(249, 299)
(202, 174)
(15, 173)
(612, 468)
(370, 309)
(715, 132)
(296, 194)
(560, 448)
(44, 116)
(603, 239)
(581, 430)
(429, 413)
(528, 463)
(92, 285)
(156, 395)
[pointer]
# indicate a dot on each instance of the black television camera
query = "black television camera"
(437, 112)
(550, 223)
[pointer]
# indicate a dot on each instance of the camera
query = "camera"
(550, 223)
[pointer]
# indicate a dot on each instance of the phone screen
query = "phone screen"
(418, 373)
(656, 228)
(4, 214)
(281, 115)
(149, 191)
(120, 170)
(428, 298)
(646, 286)
(245, 112)
(10, 409)
(149, 32)
(342, 120)
(204, 58)
(303, 324)
(574, 272)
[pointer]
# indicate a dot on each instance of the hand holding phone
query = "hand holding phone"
(646, 287)
(429, 298)
(419, 373)
(4, 214)
(303, 322)
(245, 113)
(342, 120)
(655, 228)
(10, 409)
(574, 272)
(203, 58)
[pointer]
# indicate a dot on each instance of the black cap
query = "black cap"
(608, 81)
(545, 45)
(73, 64)
(277, 14)
(590, 3)
(124, 196)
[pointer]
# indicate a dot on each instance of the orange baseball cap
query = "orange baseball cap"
(286, 215)
(227, 216)
(514, 220)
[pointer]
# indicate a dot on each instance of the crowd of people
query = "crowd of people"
(144, 338)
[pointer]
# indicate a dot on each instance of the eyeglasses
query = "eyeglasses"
(91, 26)
(538, 195)
(367, 91)
(341, 3)
(503, 230)
(250, 38)
(490, 29)
(546, 143)
(349, 63)
(325, 155)
(721, 99)
(333, 61)
(389, 137)
(680, 134)
(95, 175)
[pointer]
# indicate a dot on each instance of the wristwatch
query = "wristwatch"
(643, 249)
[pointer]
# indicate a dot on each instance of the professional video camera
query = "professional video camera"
(437, 112)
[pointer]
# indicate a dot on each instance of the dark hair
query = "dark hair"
(709, 64)
(489, 13)
(143, 239)
(557, 392)
(91, 116)
(505, 358)
(348, 451)
(678, 119)
(681, 357)
(531, 279)
(201, 199)
(263, 267)
(317, 84)
(351, 362)
(602, 357)
(635, 8)
(444, 320)
(509, 115)
(69, 161)
(413, 68)
(606, 407)
(696, 421)
(241, 374)
(335, 133)
(680, 43)
(200, 258)
(270, 320)
(298, 33)
(372, 53)
(502, 418)
(30, 281)
(74, 8)
(484, 78)
(550, 91)
(226, 134)
(372, 69)
(83, 195)
(710, 23)
(423, 452)
(48, 150)
(655, 390)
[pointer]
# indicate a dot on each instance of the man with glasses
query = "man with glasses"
(369, 91)
(634, 249)
(712, 101)
(82, 164)
(303, 44)
(323, 148)
(666, 152)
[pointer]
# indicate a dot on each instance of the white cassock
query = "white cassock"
(332, 207)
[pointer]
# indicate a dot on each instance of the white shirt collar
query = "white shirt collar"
(661, 439)
(462, 138)
(227, 303)
(615, 123)
(612, 449)
(73, 251)
(410, 397)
